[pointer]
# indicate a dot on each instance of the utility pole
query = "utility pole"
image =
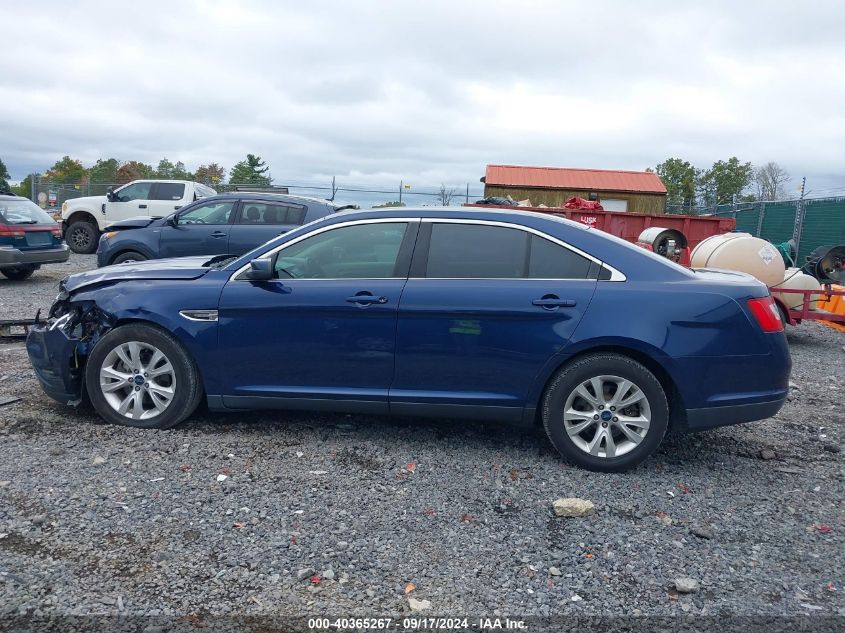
(401, 186)
(799, 216)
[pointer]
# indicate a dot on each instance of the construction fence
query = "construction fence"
(811, 222)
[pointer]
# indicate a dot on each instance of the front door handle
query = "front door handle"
(142, 206)
(366, 299)
(552, 302)
(218, 234)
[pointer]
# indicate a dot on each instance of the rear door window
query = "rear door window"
(476, 251)
(169, 191)
(263, 213)
(480, 251)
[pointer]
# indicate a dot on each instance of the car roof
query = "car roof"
(474, 213)
(260, 195)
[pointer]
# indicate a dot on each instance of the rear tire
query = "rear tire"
(584, 424)
(129, 256)
(82, 237)
(139, 375)
(19, 273)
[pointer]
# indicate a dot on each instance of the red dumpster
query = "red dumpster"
(628, 226)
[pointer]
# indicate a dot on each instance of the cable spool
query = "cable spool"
(668, 243)
(827, 264)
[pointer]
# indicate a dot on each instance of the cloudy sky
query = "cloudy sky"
(428, 92)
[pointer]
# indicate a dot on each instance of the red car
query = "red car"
(28, 238)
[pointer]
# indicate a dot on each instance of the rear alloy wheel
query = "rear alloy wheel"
(128, 257)
(138, 375)
(19, 273)
(82, 237)
(605, 412)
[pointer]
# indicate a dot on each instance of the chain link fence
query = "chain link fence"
(811, 222)
(51, 195)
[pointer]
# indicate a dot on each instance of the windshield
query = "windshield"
(22, 211)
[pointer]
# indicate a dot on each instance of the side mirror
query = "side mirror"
(110, 195)
(259, 270)
(172, 220)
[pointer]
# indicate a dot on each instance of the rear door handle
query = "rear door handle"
(366, 299)
(218, 234)
(142, 206)
(550, 302)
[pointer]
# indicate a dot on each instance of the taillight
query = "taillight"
(6, 231)
(767, 314)
(56, 232)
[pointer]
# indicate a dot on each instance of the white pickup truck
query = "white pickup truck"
(83, 219)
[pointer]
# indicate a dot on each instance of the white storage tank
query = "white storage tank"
(795, 279)
(742, 252)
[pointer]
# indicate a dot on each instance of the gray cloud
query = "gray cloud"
(429, 92)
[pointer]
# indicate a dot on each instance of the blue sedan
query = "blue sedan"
(485, 314)
(228, 223)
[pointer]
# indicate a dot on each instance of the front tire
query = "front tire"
(128, 257)
(138, 375)
(82, 237)
(605, 412)
(18, 273)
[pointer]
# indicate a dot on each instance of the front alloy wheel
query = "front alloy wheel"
(140, 375)
(605, 412)
(137, 380)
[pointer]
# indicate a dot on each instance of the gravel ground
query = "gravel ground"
(295, 513)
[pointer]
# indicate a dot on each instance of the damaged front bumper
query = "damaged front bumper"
(53, 356)
(58, 348)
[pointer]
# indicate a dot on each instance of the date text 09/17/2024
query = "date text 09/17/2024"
(417, 624)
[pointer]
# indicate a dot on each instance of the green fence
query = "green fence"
(823, 221)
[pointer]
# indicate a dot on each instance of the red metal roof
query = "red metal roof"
(568, 178)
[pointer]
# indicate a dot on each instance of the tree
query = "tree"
(165, 169)
(104, 171)
(25, 188)
(770, 180)
(133, 170)
(211, 174)
(726, 179)
(250, 172)
(444, 196)
(678, 176)
(4, 176)
(388, 205)
(67, 170)
(180, 173)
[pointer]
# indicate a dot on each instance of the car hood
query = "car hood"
(87, 201)
(138, 222)
(177, 268)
